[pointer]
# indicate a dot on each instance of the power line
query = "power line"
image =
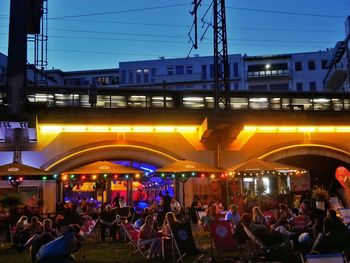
(123, 23)
(121, 11)
(284, 12)
(113, 33)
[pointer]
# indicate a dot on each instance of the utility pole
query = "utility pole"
(221, 67)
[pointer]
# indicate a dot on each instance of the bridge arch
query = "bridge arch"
(110, 150)
(306, 149)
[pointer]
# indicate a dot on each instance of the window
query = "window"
(324, 63)
(299, 86)
(204, 71)
(153, 74)
(235, 70)
(258, 87)
(138, 76)
(122, 77)
(145, 75)
(279, 87)
(131, 76)
(311, 65)
(170, 70)
(312, 86)
(189, 69)
(298, 66)
(236, 86)
(211, 71)
(179, 70)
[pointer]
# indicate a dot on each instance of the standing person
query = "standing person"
(149, 236)
(116, 201)
(195, 206)
(166, 202)
(233, 215)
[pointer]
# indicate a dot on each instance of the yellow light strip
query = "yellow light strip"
(75, 154)
(48, 128)
(296, 129)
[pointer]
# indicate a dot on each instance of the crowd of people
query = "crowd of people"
(320, 231)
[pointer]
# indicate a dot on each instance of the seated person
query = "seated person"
(39, 240)
(21, 235)
(208, 217)
(170, 219)
(35, 226)
(139, 223)
(258, 217)
(108, 219)
(149, 237)
(153, 208)
(233, 215)
(175, 206)
(334, 237)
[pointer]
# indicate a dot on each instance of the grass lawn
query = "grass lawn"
(95, 251)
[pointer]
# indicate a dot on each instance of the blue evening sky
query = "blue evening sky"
(91, 34)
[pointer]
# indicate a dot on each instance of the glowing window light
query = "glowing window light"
(258, 99)
(193, 99)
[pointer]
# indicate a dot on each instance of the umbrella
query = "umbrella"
(185, 166)
(103, 167)
(18, 172)
(190, 168)
(260, 166)
(19, 169)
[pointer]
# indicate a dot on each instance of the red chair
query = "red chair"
(270, 216)
(222, 235)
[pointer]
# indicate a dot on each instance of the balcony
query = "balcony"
(263, 74)
(335, 77)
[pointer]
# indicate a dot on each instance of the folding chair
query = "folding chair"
(133, 235)
(335, 203)
(184, 242)
(260, 250)
(345, 215)
(325, 258)
(222, 235)
(87, 228)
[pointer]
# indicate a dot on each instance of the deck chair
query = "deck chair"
(325, 258)
(222, 235)
(184, 242)
(132, 235)
(86, 230)
(345, 215)
(335, 203)
(260, 251)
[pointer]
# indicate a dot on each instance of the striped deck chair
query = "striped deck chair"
(132, 235)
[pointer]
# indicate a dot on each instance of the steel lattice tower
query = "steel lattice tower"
(221, 66)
